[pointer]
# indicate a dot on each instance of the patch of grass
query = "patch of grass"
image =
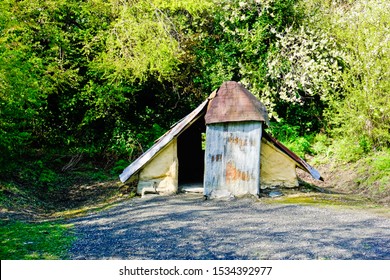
(331, 200)
(34, 241)
(320, 200)
(374, 175)
(79, 212)
(380, 164)
(365, 175)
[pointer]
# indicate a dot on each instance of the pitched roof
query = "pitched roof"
(234, 103)
(228, 88)
(163, 141)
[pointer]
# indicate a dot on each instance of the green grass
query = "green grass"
(320, 199)
(340, 201)
(380, 168)
(374, 175)
(34, 241)
(82, 211)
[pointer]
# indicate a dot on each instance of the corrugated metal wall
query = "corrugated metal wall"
(232, 158)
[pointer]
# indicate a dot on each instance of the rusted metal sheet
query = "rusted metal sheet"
(300, 162)
(232, 158)
(234, 103)
(164, 140)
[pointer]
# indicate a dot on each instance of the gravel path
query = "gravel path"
(186, 227)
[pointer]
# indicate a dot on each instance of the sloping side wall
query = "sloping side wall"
(276, 168)
(162, 142)
(161, 173)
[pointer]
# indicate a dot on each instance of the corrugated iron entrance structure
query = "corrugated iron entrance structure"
(230, 164)
(240, 157)
(234, 121)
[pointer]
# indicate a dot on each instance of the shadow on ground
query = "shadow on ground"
(186, 227)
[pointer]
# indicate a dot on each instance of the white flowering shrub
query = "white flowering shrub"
(242, 36)
(304, 63)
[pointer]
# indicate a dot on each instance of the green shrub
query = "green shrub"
(289, 135)
(374, 175)
(119, 166)
(39, 176)
(361, 112)
(321, 143)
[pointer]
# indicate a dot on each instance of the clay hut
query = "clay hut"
(221, 149)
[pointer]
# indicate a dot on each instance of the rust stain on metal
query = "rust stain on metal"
(234, 174)
(238, 141)
(241, 142)
(216, 157)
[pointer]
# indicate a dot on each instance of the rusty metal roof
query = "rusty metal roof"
(234, 103)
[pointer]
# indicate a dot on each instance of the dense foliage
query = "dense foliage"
(104, 78)
(361, 112)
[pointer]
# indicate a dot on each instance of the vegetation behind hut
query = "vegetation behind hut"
(90, 85)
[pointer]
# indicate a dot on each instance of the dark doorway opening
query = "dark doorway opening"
(190, 152)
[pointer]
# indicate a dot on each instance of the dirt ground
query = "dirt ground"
(187, 227)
